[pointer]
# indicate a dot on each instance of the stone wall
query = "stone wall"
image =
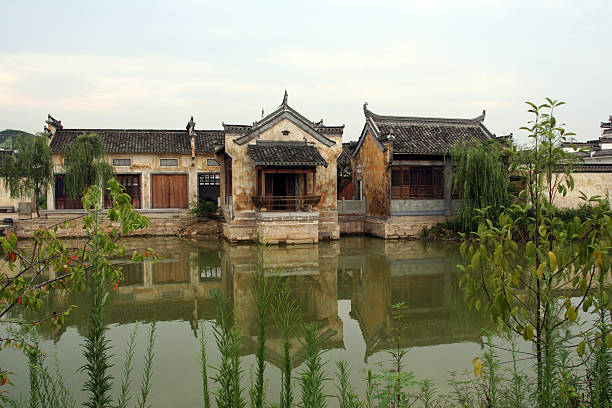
(161, 223)
(351, 206)
(591, 184)
(417, 207)
(351, 224)
(288, 227)
(328, 225)
(422, 207)
(392, 227)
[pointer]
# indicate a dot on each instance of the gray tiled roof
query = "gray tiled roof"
(603, 153)
(285, 154)
(347, 151)
(142, 140)
(420, 135)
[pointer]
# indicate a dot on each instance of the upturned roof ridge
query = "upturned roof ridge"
(423, 119)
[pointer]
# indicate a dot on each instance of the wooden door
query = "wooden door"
(169, 190)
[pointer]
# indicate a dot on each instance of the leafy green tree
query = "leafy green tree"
(520, 262)
(86, 165)
(29, 171)
(480, 178)
(48, 262)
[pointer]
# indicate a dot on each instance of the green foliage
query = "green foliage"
(313, 376)
(145, 387)
(517, 263)
(86, 165)
(47, 388)
(96, 351)
(480, 178)
(124, 398)
(204, 367)
(10, 137)
(263, 289)
(229, 373)
(29, 171)
(203, 208)
(286, 313)
(75, 268)
(347, 398)
(585, 211)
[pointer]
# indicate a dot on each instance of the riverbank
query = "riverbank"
(183, 224)
(161, 223)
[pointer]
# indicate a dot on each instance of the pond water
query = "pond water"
(345, 287)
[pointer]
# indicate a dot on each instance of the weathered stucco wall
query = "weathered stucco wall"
(241, 218)
(591, 184)
(375, 177)
(147, 165)
(6, 200)
(244, 175)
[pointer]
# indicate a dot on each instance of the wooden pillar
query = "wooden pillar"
(314, 182)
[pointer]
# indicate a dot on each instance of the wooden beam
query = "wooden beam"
(289, 170)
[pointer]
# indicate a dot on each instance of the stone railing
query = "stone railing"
(351, 206)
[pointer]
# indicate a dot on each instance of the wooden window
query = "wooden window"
(168, 162)
(209, 179)
(212, 163)
(122, 162)
(131, 182)
(417, 182)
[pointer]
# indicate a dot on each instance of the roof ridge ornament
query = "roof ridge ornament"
(366, 111)
(285, 98)
(481, 117)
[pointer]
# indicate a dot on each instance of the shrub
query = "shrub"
(203, 208)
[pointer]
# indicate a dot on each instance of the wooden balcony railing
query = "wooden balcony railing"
(286, 203)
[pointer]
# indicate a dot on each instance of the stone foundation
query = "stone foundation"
(328, 225)
(351, 223)
(289, 227)
(281, 226)
(161, 223)
(388, 228)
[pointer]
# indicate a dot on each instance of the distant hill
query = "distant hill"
(8, 136)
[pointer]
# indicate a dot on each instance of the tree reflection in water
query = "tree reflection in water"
(368, 273)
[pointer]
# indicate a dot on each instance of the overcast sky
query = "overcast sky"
(152, 64)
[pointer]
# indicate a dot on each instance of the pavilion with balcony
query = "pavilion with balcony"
(286, 173)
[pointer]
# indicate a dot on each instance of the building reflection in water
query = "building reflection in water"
(374, 274)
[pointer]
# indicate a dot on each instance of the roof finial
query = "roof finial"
(285, 97)
(190, 126)
(366, 112)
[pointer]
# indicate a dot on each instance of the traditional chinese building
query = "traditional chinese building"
(280, 179)
(402, 169)
(161, 169)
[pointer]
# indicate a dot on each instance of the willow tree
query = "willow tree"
(28, 171)
(480, 178)
(86, 165)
